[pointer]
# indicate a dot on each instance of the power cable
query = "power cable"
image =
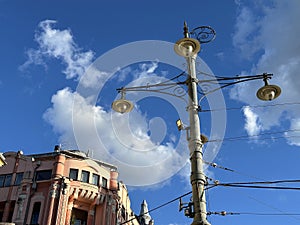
(215, 165)
(240, 184)
(272, 207)
(262, 139)
(268, 182)
(158, 207)
(292, 215)
(224, 213)
(258, 135)
(255, 186)
(250, 106)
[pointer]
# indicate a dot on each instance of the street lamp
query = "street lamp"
(188, 48)
(122, 105)
(268, 92)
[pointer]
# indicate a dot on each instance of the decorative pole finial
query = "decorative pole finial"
(185, 30)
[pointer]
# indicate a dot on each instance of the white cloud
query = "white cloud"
(59, 44)
(140, 160)
(243, 38)
(138, 147)
(293, 135)
(149, 68)
(59, 115)
(185, 174)
(143, 76)
(141, 148)
(93, 77)
(272, 28)
(252, 125)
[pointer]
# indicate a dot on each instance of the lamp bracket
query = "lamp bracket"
(204, 34)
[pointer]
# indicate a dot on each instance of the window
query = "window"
(85, 176)
(19, 178)
(35, 213)
(95, 179)
(5, 180)
(79, 217)
(2, 178)
(73, 174)
(104, 182)
(43, 175)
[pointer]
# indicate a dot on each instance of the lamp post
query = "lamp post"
(188, 48)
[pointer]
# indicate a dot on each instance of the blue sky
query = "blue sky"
(54, 52)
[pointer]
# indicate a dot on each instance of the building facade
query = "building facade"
(64, 187)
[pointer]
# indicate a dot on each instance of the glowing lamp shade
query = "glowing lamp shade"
(268, 92)
(122, 106)
(187, 47)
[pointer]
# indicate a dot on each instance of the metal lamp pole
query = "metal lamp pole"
(188, 48)
(198, 178)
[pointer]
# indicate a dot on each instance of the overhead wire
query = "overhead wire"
(240, 184)
(273, 207)
(228, 185)
(158, 207)
(269, 182)
(253, 186)
(250, 106)
(265, 138)
(215, 165)
(259, 135)
(252, 182)
(224, 213)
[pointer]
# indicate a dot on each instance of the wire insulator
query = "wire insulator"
(223, 213)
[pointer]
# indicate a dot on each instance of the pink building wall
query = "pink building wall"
(48, 195)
